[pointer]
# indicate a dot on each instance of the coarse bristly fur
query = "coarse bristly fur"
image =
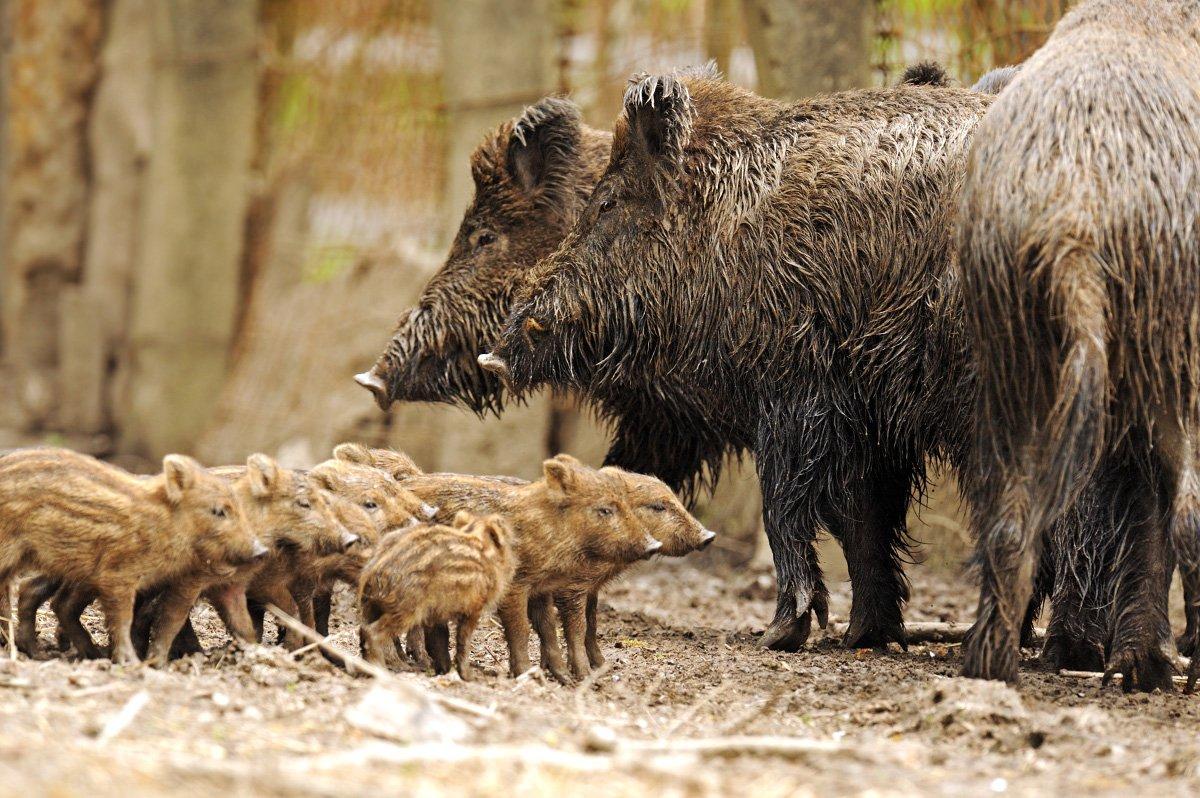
(74, 519)
(547, 152)
(781, 272)
(573, 529)
(435, 574)
(1080, 272)
(532, 176)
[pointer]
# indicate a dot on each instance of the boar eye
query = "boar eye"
(607, 205)
(219, 512)
(484, 240)
(370, 505)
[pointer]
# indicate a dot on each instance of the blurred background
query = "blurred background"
(213, 211)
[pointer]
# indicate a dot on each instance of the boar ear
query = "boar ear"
(463, 519)
(559, 475)
(353, 453)
(659, 113)
(543, 151)
(263, 473)
(496, 528)
(180, 474)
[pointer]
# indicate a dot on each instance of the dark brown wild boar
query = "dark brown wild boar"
(1081, 279)
(72, 518)
(435, 574)
(781, 269)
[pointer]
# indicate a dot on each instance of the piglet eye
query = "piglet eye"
(658, 508)
(370, 505)
(219, 512)
(304, 504)
(604, 512)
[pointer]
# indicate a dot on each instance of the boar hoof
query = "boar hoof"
(1192, 675)
(788, 633)
(1144, 670)
(1064, 653)
(864, 635)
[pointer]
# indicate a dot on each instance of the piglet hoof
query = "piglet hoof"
(1142, 670)
(595, 658)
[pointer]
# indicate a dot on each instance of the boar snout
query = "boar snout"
(707, 538)
(653, 546)
(378, 388)
(494, 364)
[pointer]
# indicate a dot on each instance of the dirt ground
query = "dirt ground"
(684, 667)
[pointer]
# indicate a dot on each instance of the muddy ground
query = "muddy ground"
(685, 666)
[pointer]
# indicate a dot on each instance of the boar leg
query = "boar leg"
(871, 529)
(68, 605)
(414, 648)
(514, 617)
(322, 607)
(462, 646)
(591, 640)
(573, 607)
(117, 606)
(34, 593)
(437, 646)
(175, 606)
(1142, 573)
(1080, 556)
(790, 515)
(229, 600)
(541, 613)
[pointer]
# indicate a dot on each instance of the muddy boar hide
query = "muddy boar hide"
(531, 176)
(777, 271)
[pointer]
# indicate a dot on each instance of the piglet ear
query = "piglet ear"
(659, 114)
(559, 475)
(463, 519)
(263, 473)
(544, 151)
(352, 453)
(180, 474)
(496, 528)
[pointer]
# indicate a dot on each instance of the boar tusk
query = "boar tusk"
(373, 383)
(494, 364)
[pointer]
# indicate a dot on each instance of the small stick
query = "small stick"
(353, 663)
(125, 716)
(725, 746)
(582, 688)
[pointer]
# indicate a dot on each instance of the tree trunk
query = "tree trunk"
(494, 63)
(807, 47)
(185, 298)
(50, 70)
(720, 31)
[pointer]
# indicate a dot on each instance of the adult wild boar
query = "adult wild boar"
(1081, 281)
(784, 267)
(532, 177)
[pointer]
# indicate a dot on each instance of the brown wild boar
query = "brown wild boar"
(572, 528)
(1080, 272)
(289, 516)
(434, 574)
(70, 517)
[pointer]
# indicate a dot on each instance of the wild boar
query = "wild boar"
(1079, 269)
(73, 518)
(434, 574)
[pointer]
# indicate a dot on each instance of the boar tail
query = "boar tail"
(1073, 424)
